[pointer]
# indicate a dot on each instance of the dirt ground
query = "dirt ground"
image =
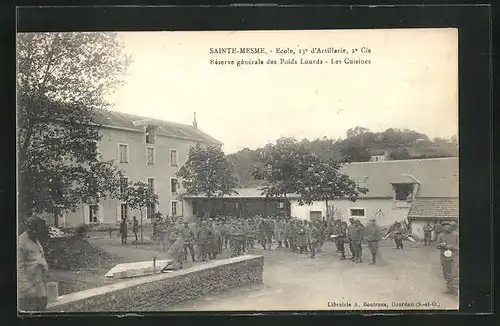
(294, 281)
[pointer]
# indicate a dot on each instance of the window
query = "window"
(93, 210)
(174, 208)
(123, 185)
(150, 210)
(151, 184)
(174, 186)
(123, 153)
(124, 211)
(150, 135)
(403, 191)
(173, 157)
(359, 212)
(150, 155)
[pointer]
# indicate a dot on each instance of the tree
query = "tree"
(208, 172)
(282, 166)
(139, 196)
(62, 79)
(325, 182)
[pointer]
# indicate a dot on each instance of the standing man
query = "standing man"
(341, 238)
(356, 240)
(287, 232)
(188, 237)
(262, 227)
(302, 237)
(135, 227)
(278, 232)
(123, 231)
(449, 254)
(373, 235)
(350, 235)
(322, 234)
(203, 238)
(398, 234)
(438, 228)
(314, 235)
(32, 267)
(427, 233)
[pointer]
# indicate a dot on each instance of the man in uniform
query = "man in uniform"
(322, 234)
(188, 237)
(356, 240)
(447, 243)
(32, 267)
(437, 230)
(314, 235)
(302, 237)
(278, 232)
(350, 233)
(123, 230)
(398, 234)
(341, 238)
(203, 238)
(262, 227)
(287, 231)
(135, 227)
(373, 235)
(427, 233)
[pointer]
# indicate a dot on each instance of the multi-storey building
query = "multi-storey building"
(146, 150)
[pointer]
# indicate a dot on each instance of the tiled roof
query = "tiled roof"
(170, 129)
(434, 207)
(404, 178)
(438, 177)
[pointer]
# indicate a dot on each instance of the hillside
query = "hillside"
(358, 146)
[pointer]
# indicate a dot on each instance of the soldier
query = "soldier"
(32, 267)
(398, 234)
(437, 230)
(322, 235)
(262, 227)
(373, 235)
(252, 234)
(449, 254)
(135, 227)
(356, 240)
(123, 230)
(269, 232)
(234, 243)
(350, 233)
(427, 233)
(302, 237)
(188, 237)
(314, 234)
(213, 240)
(278, 232)
(341, 238)
(287, 232)
(203, 238)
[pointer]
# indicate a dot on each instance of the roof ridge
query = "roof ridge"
(410, 160)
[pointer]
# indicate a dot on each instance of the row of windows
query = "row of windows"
(124, 155)
(174, 185)
(150, 210)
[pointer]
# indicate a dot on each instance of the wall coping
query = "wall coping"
(85, 294)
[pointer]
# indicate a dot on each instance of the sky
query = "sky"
(411, 83)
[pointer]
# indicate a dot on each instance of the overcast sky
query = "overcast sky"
(412, 82)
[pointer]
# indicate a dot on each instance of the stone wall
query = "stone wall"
(146, 293)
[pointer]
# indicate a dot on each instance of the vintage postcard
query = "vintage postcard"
(238, 170)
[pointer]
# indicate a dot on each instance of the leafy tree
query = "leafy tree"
(325, 182)
(282, 166)
(208, 172)
(139, 196)
(62, 79)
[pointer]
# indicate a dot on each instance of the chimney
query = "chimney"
(195, 124)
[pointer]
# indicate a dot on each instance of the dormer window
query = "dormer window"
(150, 134)
(403, 191)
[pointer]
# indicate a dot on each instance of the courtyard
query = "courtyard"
(402, 279)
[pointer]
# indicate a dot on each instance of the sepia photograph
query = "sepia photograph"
(266, 170)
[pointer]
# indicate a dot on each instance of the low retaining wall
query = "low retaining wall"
(146, 293)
